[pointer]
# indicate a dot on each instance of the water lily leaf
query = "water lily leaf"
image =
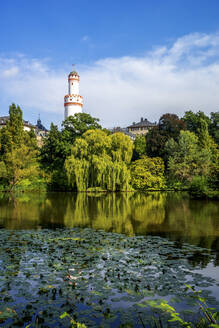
(6, 313)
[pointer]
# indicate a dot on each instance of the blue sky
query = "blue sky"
(123, 49)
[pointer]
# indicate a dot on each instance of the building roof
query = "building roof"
(142, 123)
(123, 130)
(40, 126)
(4, 119)
(27, 123)
(74, 73)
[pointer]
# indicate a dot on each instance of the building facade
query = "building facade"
(123, 130)
(140, 128)
(27, 125)
(38, 129)
(73, 102)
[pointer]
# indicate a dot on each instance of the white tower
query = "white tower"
(73, 102)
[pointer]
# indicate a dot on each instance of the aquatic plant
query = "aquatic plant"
(72, 321)
(98, 278)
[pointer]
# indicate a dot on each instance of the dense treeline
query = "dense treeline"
(178, 153)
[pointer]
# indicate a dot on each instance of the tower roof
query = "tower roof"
(73, 73)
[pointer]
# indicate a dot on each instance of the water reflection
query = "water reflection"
(173, 215)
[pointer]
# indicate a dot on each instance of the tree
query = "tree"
(15, 124)
(75, 126)
(121, 147)
(139, 147)
(19, 152)
(186, 159)
(204, 127)
(21, 163)
(3, 171)
(214, 127)
(57, 146)
(169, 126)
(6, 141)
(100, 161)
(12, 135)
(52, 153)
(148, 173)
(30, 139)
(194, 120)
(205, 139)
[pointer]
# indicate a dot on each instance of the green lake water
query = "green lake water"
(102, 257)
(172, 215)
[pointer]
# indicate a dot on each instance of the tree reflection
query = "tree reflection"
(110, 211)
(53, 208)
(172, 215)
(20, 211)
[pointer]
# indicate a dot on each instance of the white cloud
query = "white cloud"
(35, 87)
(121, 90)
(12, 71)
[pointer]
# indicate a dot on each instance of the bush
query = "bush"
(148, 173)
(199, 189)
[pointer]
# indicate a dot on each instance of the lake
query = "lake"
(104, 257)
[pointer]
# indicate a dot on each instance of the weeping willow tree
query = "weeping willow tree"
(77, 165)
(100, 161)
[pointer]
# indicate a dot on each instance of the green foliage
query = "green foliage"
(199, 188)
(206, 130)
(52, 153)
(3, 170)
(74, 324)
(13, 134)
(214, 127)
(21, 163)
(82, 156)
(205, 140)
(195, 120)
(6, 141)
(75, 126)
(186, 159)
(30, 139)
(57, 180)
(121, 147)
(148, 173)
(139, 147)
(57, 147)
(211, 316)
(166, 308)
(100, 160)
(18, 153)
(169, 126)
(15, 124)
